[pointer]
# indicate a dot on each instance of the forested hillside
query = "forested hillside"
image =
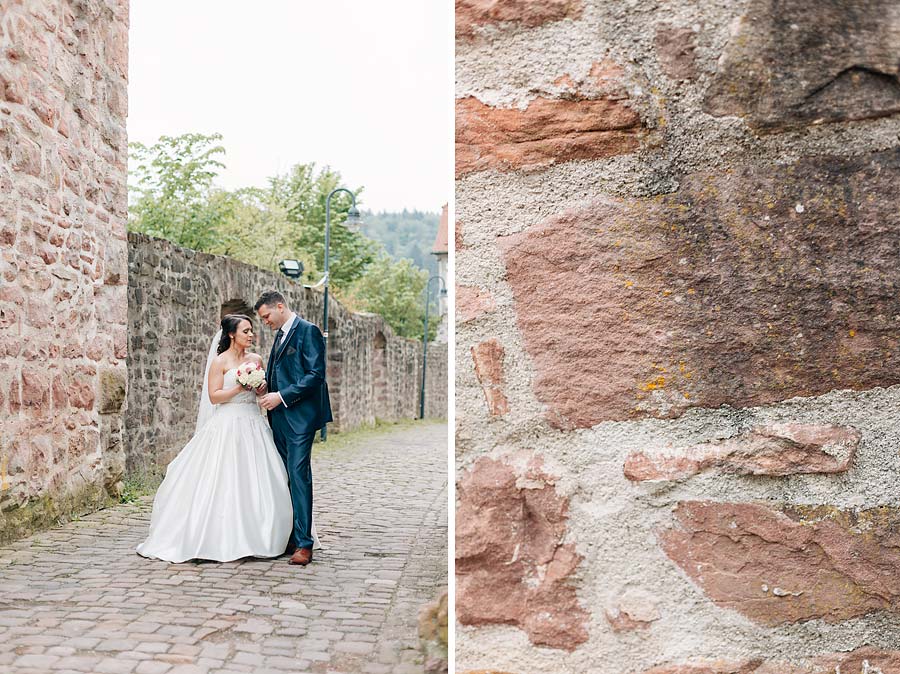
(405, 234)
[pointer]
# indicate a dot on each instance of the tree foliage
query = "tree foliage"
(394, 289)
(302, 193)
(172, 195)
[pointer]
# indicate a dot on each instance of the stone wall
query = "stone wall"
(175, 301)
(63, 100)
(678, 321)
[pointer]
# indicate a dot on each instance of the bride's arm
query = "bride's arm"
(217, 394)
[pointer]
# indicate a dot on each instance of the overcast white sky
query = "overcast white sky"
(364, 87)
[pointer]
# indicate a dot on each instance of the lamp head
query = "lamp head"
(291, 268)
(353, 220)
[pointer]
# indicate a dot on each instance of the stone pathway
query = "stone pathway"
(78, 599)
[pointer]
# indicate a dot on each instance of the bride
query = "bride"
(225, 496)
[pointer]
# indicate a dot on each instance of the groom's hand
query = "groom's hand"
(269, 401)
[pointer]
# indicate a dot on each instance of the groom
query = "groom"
(297, 401)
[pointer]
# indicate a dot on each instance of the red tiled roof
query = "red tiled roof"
(440, 243)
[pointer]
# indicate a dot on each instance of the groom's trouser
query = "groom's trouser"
(295, 450)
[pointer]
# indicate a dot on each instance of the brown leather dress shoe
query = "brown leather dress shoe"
(302, 556)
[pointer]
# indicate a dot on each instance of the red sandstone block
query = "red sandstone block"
(675, 51)
(742, 288)
(789, 564)
(35, 388)
(547, 131)
(470, 14)
(488, 358)
(472, 303)
(458, 236)
(60, 393)
(511, 566)
(781, 449)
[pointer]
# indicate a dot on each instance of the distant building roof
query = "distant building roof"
(440, 242)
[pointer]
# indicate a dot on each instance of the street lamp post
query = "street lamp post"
(352, 220)
(443, 290)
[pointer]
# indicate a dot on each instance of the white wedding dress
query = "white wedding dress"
(225, 496)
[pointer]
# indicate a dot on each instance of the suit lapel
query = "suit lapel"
(281, 347)
(269, 366)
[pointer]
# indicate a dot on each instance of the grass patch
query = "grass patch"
(137, 485)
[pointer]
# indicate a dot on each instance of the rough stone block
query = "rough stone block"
(488, 358)
(511, 565)
(112, 391)
(757, 560)
(472, 303)
(675, 51)
(748, 286)
(547, 131)
(797, 62)
(634, 610)
(781, 449)
(470, 14)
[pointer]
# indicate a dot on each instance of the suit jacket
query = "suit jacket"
(297, 371)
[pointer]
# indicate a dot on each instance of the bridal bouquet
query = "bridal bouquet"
(251, 375)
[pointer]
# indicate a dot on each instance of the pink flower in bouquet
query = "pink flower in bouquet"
(251, 375)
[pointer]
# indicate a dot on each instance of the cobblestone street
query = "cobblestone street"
(79, 599)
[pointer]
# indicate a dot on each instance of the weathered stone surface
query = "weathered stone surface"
(758, 560)
(488, 358)
(35, 389)
(734, 290)
(470, 14)
(511, 565)
(112, 391)
(62, 201)
(799, 62)
(546, 132)
(634, 610)
(472, 302)
(675, 51)
(780, 449)
(863, 660)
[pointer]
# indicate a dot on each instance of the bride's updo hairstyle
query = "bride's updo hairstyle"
(229, 326)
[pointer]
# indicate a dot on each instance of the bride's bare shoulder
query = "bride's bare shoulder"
(219, 363)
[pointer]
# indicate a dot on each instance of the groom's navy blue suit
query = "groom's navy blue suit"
(297, 372)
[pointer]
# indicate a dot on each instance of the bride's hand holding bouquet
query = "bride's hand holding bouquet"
(252, 377)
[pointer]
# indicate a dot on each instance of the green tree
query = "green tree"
(172, 191)
(259, 232)
(395, 290)
(302, 192)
